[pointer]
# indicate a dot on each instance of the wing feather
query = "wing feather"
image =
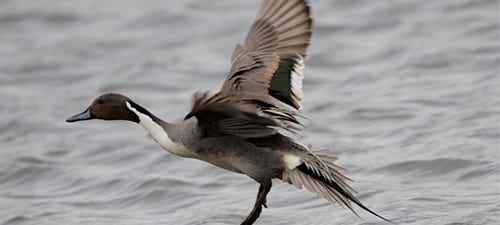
(221, 115)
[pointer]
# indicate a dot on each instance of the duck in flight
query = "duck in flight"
(240, 128)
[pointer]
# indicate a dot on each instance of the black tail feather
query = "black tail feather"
(303, 168)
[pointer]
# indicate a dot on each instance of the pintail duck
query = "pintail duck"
(240, 128)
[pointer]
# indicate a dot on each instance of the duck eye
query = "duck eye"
(100, 101)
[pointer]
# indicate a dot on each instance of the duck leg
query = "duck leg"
(259, 202)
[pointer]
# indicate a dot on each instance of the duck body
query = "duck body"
(262, 159)
(240, 128)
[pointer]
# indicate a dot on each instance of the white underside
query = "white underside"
(160, 136)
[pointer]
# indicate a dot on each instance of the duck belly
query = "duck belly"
(237, 155)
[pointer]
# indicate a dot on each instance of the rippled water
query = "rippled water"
(405, 92)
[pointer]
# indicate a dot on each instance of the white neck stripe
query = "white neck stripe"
(160, 135)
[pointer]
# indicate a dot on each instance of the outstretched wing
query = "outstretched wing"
(264, 87)
(268, 67)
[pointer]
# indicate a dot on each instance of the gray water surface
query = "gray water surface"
(407, 93)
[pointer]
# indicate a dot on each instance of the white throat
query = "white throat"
(160, 135)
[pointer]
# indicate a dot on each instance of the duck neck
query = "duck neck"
(149, 121)
(142, 112)
(158, 128)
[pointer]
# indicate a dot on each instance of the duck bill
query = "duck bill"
(85, 115)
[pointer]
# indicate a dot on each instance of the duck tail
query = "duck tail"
(320, 175)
